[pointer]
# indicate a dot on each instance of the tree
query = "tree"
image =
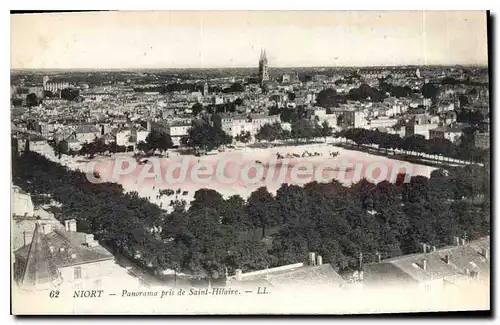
(206, 198)
(197, 108)
(243, 137)
(143, 146)
(32, 100)
(261, 209)
(204, 136)
(269, 132)
(249, 255)
(327, 98)
(160, 140)
(429, 91)
(233, 213)
(325, 130)
(238, 101)
(288, 114)
(70, 94)
(303, 129)
(235, 88)
(63, 147)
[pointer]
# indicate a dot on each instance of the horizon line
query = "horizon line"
(475, 65)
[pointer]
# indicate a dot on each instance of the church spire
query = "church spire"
(263, 68)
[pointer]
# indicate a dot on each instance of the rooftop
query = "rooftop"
(54, 249)
(410, 268)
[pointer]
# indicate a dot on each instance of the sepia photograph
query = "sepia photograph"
(250, 162)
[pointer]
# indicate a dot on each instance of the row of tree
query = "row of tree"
(235, 87)
(301, 129)
(330, 98)
(417, 143)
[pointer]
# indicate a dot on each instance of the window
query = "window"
(77, 272)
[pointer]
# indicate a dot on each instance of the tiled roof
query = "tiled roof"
(308, 275)
(72, 243)
(40, 271)
(409, 268)
(48, 252)
(300, 275)
(86, 129)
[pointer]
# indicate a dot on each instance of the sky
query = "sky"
(217, 39)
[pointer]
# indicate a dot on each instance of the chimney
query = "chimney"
(424, 264)
(73, 256)
(319, 260)
(447, 258)
(70, 225)
(485, 252)
(89, 239)
(424, 248)
(312, 258)
(379, 257)
(47, 228)
(61, 249)
(238, 274)
(51, 249)
(27, 236)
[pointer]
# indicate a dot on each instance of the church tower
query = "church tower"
(205, 89)
(263, 68)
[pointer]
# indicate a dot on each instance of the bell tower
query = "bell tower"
(263, 68)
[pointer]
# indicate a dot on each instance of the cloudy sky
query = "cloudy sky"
(209, 39)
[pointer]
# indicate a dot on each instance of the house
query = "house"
(38, 144)
(394, 106)
(108, 138)
(482, 140)
(448, 118)
(259, 120)
(445, 106)
(140, 134)
(21, 203)
(62, 257)
(381, 122)
(86, 133)
(312, 274)
(351, 118)
(73, 143)
(123, 137)
(450, 133)
(177, 130)
(433, 268)
(420, 124)
(236, 125)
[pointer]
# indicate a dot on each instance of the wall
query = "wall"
(274, 269)
(21, 203)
